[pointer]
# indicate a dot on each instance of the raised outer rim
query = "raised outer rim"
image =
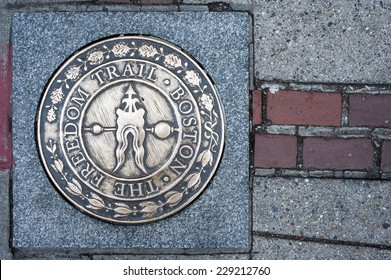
(61, 68)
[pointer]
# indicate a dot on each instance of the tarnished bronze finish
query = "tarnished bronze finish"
(130, 129)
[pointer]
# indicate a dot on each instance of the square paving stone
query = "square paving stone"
(323, 41)
(347, 210)
(218, 221)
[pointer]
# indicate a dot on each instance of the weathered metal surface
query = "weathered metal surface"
(130, 129)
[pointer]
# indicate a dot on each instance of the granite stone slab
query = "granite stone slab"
(218, 221)
(323, 41)
(282, 249)
(173, 257)
(200, 2)
(4, 215)
(346, 210)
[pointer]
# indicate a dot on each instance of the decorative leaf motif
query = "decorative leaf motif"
(96, 202)
(97, 197)
(74, 187)
(207, 101)
(51, 116)
(172, 61)
(193, 180)
(54, 167)
(149, 209)
(147, 203)
(52, 148)
(120, 49)
(205, 158)
(199, 158)
(59, 165)
(57, 95)
(95, 57)
(72, 73)
(122, 211)
(122, 204)
(193, 78)
(173, 198)
(147, 51)
(93, 207)
(49, 149)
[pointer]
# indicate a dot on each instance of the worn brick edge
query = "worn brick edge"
(5, 134)
(5, 109)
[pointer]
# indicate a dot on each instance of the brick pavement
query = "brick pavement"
(336, 130)
(321, 125)
(304, 108)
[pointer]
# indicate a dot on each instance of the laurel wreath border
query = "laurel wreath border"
(172, 198)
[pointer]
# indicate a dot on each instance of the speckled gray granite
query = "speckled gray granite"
(200, 2)
(280, 249)
(347, 210)
(219, 219)
(323, 41)
(174, 257)
(4, 216)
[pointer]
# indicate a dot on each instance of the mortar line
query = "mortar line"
(279, 173)
(377, 151)
(264, 122)
(21, 6)
(321, 240)
(78, 254)
(252, 137)
(300, 148)
(345, 109)
(337, 85)
(251, 200)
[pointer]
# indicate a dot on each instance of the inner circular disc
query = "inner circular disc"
(130, 129)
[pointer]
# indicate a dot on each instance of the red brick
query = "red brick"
(356, 154)
(370, 110)
(257, 107)
(275, 150)
(304, 108)
(386, 156)
(5, 108)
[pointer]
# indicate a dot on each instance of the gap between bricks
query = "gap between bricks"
(323, 131)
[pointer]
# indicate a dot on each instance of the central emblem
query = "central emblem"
(130, 129)
(130, 119)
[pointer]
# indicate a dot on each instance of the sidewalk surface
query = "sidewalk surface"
(320, 139)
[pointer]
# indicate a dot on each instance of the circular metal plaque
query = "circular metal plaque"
(130, 129)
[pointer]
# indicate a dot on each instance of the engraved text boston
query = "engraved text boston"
(130, 129)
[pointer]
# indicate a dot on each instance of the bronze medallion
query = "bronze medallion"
(130, 129)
